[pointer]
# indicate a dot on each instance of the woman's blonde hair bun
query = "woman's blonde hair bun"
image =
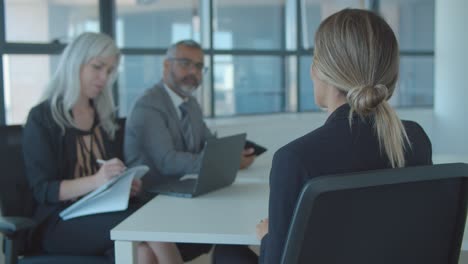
(365, 99)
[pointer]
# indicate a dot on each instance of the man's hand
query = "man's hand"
(247, 158)
(262, 228)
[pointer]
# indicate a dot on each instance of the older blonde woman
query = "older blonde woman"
(64, 136)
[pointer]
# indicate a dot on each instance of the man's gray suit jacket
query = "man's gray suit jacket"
(154, 137)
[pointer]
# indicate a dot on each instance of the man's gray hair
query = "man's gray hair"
(171, 51)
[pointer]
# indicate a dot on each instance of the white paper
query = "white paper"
(112, 196)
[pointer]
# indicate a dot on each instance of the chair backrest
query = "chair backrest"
(409, 215)
(15, 195)
(120, 135)
(16, 198)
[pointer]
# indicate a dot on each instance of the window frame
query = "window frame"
(107, 20)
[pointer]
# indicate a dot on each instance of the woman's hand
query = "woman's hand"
(109, 169)
(136, 187)
(71, 189)
(262, 228)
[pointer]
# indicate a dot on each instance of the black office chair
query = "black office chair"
(120, 134)
(405, 216)
(17, 206)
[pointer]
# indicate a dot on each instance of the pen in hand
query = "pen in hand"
(102, 162)
(108, 170)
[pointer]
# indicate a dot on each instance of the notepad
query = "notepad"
(110, 197)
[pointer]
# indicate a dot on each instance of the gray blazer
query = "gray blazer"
(154, 137)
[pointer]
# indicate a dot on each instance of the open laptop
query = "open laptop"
(219, 167)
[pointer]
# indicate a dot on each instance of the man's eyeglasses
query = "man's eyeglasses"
(186, 64)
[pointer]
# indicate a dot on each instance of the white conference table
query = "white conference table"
(225, 216)
(259, 172)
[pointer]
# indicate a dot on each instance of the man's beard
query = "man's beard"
(187, 89)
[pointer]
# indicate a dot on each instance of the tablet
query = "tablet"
(258, 150)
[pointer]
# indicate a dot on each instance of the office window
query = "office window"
(137, 74)
(312, 14)
(156, 24)
(260, 51)
(306, 91)
(248, 84)
(412, 22)
(314, 11)
(25, 78)
(290, 84)
(32, 21)
(204, 92)
(256, 24)
(416, 83)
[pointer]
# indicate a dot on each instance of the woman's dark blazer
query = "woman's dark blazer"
(50, 157)
(331, 149)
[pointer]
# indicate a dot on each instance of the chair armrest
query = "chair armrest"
(11, 225)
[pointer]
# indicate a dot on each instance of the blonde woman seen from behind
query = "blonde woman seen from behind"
(355, 71)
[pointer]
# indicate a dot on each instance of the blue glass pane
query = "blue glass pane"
(306, 91)
(412, 22)
(252, 25)
(32, 21)
(416, 83)
(156, 24)
(313, 12)
(248, 84)
(138, 74)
